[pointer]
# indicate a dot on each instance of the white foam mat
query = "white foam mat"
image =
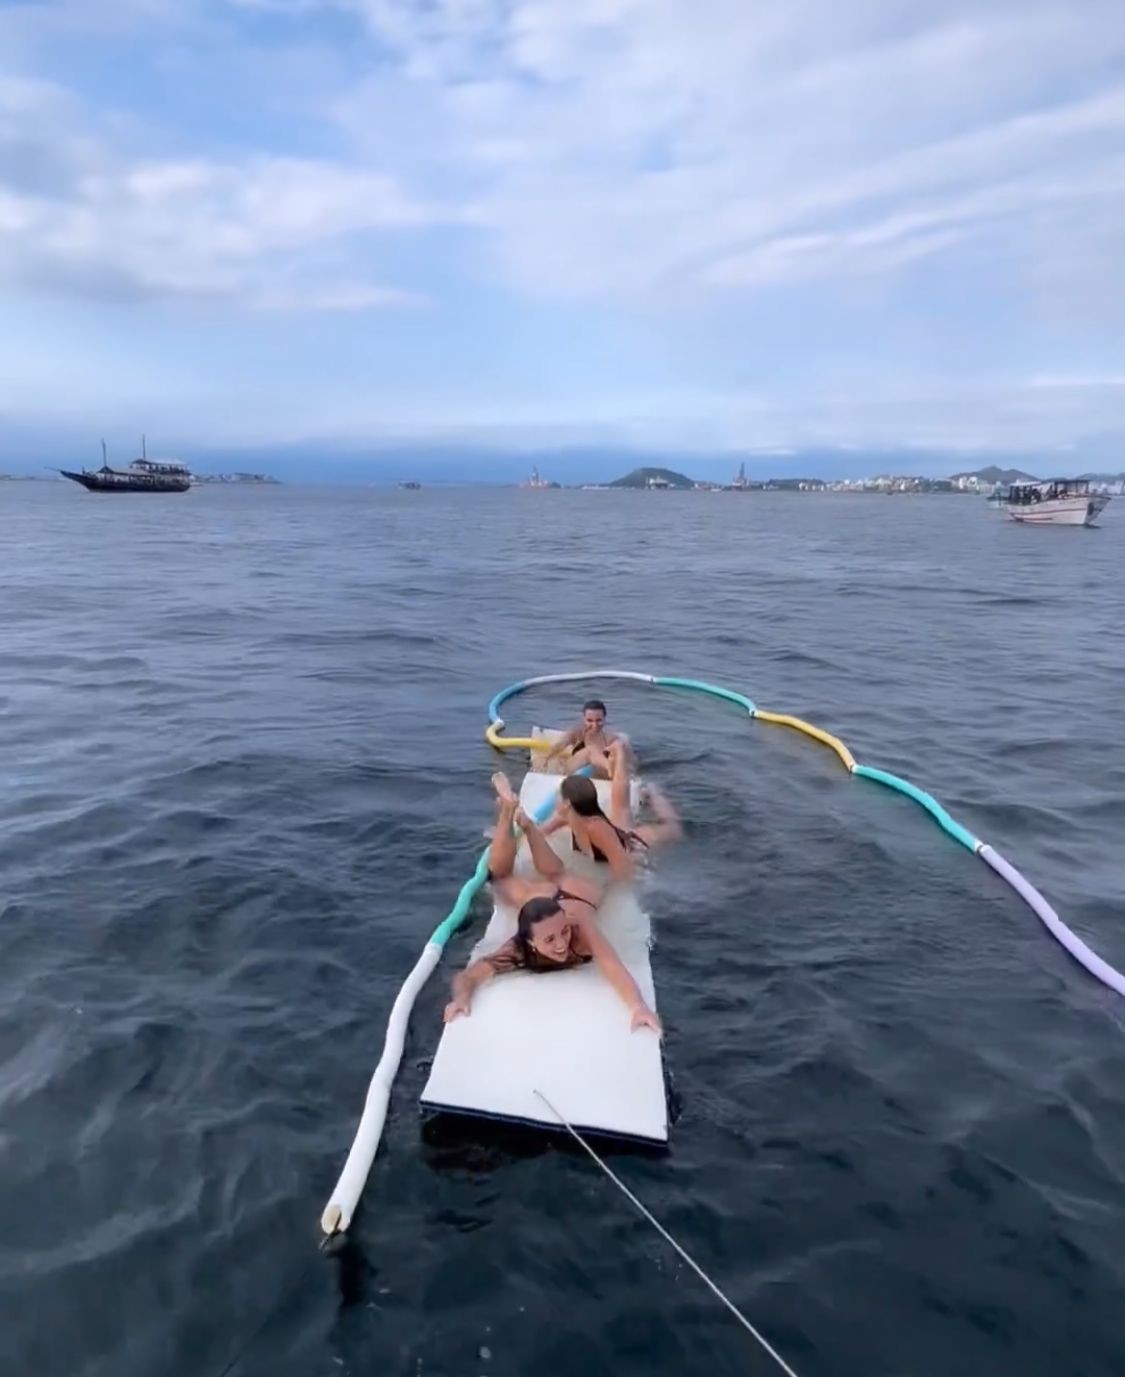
(565, 1033)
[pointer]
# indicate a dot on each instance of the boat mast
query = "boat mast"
(105, 461)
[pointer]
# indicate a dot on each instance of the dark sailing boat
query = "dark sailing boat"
(142, 475)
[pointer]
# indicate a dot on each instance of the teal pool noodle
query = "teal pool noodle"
(698, 686)
(928, 802)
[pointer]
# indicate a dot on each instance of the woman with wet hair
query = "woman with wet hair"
(589, 744)
(613, 839)
(549, 938)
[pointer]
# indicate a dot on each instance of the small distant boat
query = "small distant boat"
(536, 481)
(412, 486)
(142, 475)
(1056, 502)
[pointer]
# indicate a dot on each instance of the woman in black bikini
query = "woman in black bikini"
(589, 744)
(556, 927)
(577, 894)
(547, 939)
(612, 839)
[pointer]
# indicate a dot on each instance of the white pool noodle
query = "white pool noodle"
(341, 1205)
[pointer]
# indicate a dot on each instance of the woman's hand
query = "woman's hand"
(643, 1017)
(458, 1005)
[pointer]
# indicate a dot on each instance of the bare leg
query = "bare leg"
(601, 759)
(502, 849)
(515, 890)
(620, 795)
(592, 757)
(667, 826)
(502, 852)
(543, 855)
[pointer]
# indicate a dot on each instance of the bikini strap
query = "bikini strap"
(575, 898)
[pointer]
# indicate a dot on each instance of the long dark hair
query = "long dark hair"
(534, 911)
(581, 793)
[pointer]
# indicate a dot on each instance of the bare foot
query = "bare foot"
(503, 787)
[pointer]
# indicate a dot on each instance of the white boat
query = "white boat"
(535, 481)
(1056, 502)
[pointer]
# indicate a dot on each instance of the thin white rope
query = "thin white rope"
(663, 1232)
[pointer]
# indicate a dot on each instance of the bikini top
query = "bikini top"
(629, 840)
(581, 745)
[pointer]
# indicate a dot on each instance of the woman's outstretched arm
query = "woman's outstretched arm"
(616, 972)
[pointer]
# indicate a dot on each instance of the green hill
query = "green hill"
(993, 474)
(653, 478)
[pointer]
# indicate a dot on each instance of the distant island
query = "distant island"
(992, 474)
(654, 478)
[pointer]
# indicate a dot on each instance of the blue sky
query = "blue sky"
(512, 226)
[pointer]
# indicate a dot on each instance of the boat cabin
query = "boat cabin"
(153, 466)
(1051, 489)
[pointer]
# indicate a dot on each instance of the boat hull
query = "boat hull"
(96, 482)
(1060, 511)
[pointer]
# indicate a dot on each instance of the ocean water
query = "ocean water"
(243, 777)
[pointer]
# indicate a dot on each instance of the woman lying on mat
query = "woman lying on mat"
(612, 839)
(556, 926)
(552, 880)
(548, 938)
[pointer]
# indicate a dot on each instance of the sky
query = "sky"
(719, 228)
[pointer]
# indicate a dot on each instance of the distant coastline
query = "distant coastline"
(656, 479)
(980, 482)
(988, 481)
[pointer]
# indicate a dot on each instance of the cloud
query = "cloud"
(77, 215)
(809, 222)
(631, 150)
(647, 148)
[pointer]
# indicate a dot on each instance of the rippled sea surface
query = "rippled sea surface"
(243, 777)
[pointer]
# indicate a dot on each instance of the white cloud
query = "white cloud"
(79, 216)
(654, 159)
(651, 148)
(643, 149)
